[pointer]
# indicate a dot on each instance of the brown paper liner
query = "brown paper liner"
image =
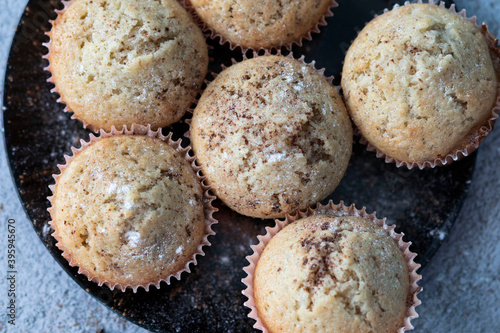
(207, 203)
(47, 68)
(210, 33)
(472, 141)
(334, 210)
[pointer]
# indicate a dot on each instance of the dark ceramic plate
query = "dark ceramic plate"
(423, 204)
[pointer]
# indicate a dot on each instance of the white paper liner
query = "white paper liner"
(334, 210)
(207, 203)
(478, 134)
(210, 33)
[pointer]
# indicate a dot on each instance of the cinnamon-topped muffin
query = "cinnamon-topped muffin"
(419, 82)
(128, 210)
(271, 135)
(261, 24)
(120, 62)
(332, 274)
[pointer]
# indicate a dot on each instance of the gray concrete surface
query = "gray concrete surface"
(461, 284)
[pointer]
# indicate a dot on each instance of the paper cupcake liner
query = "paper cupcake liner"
(55, 90)
(207, 203)
(476, 136)
(210, 33)
(334, 210)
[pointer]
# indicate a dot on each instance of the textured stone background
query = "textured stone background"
(461, 285)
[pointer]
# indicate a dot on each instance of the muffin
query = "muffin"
(262, 24)
(271, 135)
(333, 273)
(128, 210)
(120, 62)
(419, 83)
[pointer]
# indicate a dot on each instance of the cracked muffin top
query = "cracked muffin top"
(271, 135)
(419, 82)
(261, 24)
(325, 273)
(128, 209)
(120, 62)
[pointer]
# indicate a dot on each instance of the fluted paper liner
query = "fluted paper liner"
(334, 210)
(478, 134)
(207, 203)
(210, 33)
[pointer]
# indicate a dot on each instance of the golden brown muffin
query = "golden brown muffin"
(272, 135)
(261, 24)
(332, 274)
(128, 210)
(418, 82)
(120, 62)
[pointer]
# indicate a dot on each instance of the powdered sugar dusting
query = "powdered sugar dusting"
(275, 157)
(133, 238)
(438, 234)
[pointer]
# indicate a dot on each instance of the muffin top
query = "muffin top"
(119, 62)
(128, 209)
(331, 274)
(272, 135)
(419, 82)
(261, 24)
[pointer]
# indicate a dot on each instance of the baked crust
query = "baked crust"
(129, 210)
(271, 135)
(261, 24)
(117, 62)
(331, 274)
(419, 82)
